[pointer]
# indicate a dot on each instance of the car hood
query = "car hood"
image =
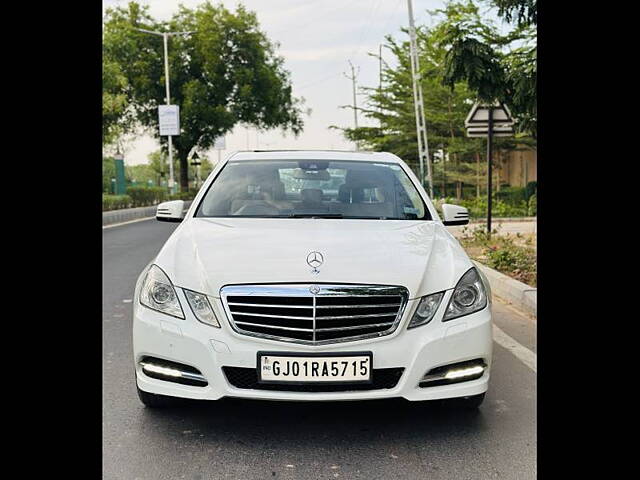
(205, 254)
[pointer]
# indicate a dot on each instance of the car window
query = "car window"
(293, 188)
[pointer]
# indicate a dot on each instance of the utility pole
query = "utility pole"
(355, 105)
(421, 126)
(380, 78)
(165, 38)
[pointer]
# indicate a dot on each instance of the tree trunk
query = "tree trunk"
(184, 173)
(455, 155)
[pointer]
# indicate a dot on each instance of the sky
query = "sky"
(317, 39)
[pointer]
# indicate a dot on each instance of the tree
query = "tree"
(225, 73)
(141, 173)
(115, 121)
(445, 110)
(158, 162)
(158, 165)
(496, 66)
(446, 106)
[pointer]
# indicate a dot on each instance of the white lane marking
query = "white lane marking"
(525, 355)
(128, 222)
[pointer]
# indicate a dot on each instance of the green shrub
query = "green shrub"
(511, 195)
(144, 196)
(532, 208)
(517, 261)
(502, 253)
(478, 208)
(190, 195)
(115, 202)
(531, 189)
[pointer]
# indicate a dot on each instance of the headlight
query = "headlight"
(157, 293)
(426, 310)
(469, 296)
(201, 308)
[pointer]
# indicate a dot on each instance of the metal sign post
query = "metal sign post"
(195, 161)
(489, 121)
(165, 38)
(489, 168)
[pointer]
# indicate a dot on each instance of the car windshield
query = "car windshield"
(313, 188)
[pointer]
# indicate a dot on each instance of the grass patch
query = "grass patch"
(511, 254)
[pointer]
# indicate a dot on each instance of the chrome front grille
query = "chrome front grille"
(314, 314)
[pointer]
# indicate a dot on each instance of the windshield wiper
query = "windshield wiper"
(313, 215)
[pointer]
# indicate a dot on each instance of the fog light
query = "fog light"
(172, 372)
(149, 367)
(454, 373)
(465, 372)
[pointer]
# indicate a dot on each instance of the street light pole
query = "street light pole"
(165, 40)
(421, 126)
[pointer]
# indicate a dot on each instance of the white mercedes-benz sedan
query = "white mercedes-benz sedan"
(312, 275)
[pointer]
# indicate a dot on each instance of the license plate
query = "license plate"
(296, 368)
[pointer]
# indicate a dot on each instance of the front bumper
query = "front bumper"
(209, 349)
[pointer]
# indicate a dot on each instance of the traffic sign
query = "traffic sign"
(220, 144)
(498, 130)
(479, 114)
(169, 120)
(489, 121)
(195, 159)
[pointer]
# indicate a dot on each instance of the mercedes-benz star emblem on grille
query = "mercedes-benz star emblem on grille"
(315, 259)
(314, 289)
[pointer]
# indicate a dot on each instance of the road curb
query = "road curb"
(522, 296)
(125, 215)
(497, 220)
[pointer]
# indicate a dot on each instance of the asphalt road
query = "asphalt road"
(242, 439)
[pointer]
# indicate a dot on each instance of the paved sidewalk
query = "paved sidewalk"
(503, 227)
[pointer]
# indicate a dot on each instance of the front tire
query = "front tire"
(152, 400)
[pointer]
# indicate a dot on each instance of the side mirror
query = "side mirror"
(170, 211)
(454, 215)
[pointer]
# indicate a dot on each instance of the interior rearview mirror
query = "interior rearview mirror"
(322, 175)
(170, 211)
(454, 215)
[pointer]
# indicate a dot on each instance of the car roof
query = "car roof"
(314, 155)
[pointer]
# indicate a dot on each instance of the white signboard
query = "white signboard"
(220, 144)
(169, 119)
(499, 130)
